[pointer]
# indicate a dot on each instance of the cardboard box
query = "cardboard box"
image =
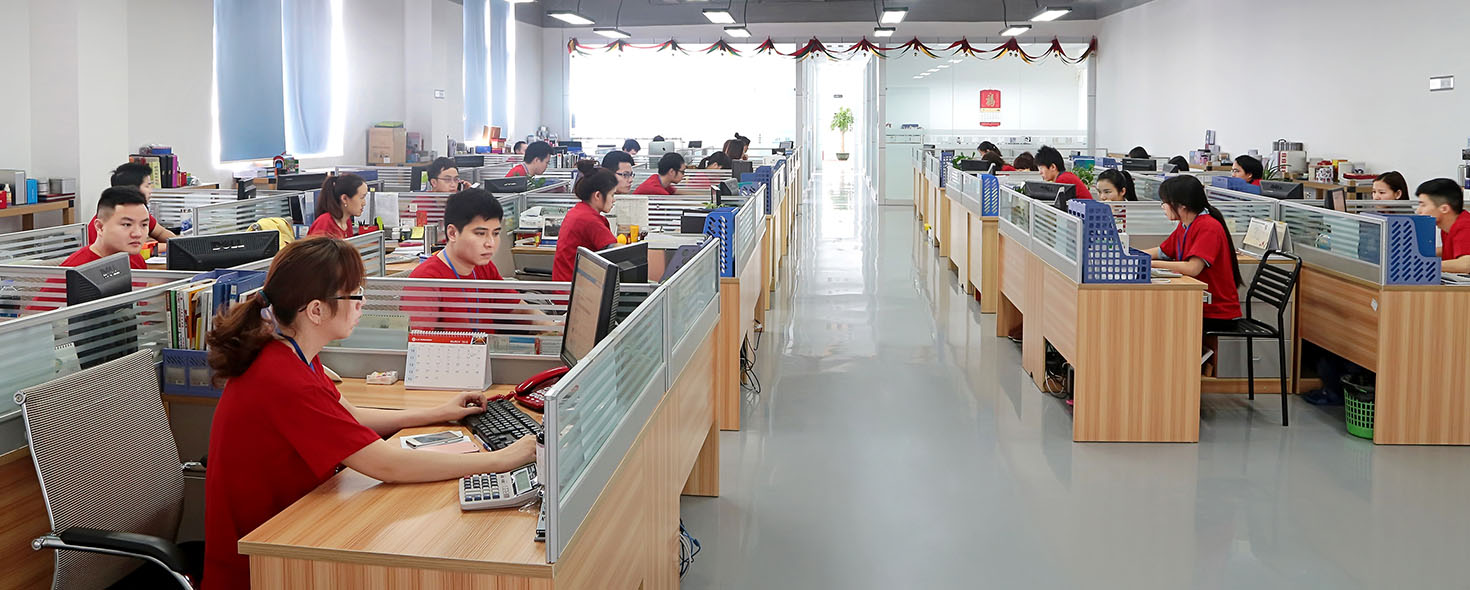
(387, 145)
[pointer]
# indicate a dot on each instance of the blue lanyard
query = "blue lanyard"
(1182, 241)
(451, 264)
(299, 354)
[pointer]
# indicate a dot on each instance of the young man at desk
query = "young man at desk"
(534, 161)
(121, 225)
(1444, 200)
(670, 172)
(140, 177)
(1054, 169)
(472, 222)
(621, 165)
(444, 176)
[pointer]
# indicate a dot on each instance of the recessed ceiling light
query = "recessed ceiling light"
(918, 77)
(1051, 13)
(942, 66)
(737, 31)
(893, 16)
(520, 1)
(569, 17)
(955, 61)
(883, 31)
(611, 32)
(719, 16)
(1014, 30)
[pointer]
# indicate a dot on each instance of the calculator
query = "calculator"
(498, 490)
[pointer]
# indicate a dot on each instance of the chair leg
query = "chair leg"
(1281, 343)
(1250, 367)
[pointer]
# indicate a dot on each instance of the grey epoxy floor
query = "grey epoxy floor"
(897, 444)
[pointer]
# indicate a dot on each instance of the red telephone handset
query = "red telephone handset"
(532, 392)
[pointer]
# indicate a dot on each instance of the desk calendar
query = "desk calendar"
(447, 360)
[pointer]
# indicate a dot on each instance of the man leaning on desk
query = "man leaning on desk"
(1444, 200)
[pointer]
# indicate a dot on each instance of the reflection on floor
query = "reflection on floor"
(897, 444)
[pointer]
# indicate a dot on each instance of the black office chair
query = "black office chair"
(1272, 285)
(111, 477)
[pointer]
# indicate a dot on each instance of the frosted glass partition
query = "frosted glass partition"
(1015, 215)
(171, 206)
(373, 251)
(664, 211)
(29, 290)
(41, 347)
(1056, 237)
(1147, 186)
(238, 216)
(1344, 242)
(48, 245)
(595, 413)
(1382, 207)
(748, 226)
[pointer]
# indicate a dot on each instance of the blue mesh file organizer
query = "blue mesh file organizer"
(1104, 259)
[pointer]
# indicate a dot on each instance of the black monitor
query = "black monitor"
(696, 144)
(108, 333)
(681, 257)
(1281, 189)
(305, 181)
(1140, 164)
(739, 167)
(201, 253)
(632, 261)
(729, 187)
(590, 306)
(512, 184)
(1056, 192)
(786, 145)
(416, 178)
(469, 161)
(691, 221)
(572, 146)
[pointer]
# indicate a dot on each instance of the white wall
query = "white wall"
(15, 100)
(1347, 77)
(1047, 95)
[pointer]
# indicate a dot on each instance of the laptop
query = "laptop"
(513, 184)
(696, 144)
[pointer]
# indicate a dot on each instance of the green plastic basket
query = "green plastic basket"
(1359, 413)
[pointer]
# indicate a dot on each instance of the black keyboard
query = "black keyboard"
(502, 424)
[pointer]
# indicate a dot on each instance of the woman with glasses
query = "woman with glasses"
(281, 427)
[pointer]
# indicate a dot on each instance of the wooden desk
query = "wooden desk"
(27, 213)
(1134, 348)
(356, 532)
(740, 296)
(1415, 338)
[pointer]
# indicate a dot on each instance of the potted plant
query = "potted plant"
(842, 122)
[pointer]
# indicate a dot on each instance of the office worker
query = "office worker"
(1115, 185)
(1026, 162)
(472, 226)
(534, 161)
(996, 163)
(716, 161)
(444, 177)
(1179, 163)
(121, 225)
(281, 427)
(1199, 247)
(1138, 152)
(1248, 168)
(670, 173)
(1444, 200)
(1054, 169)
(734, 149)
(340, 201)
(518, 148)
(1390, 186)
(631, 146)
(138, 176)
(584, 225)
(621, 164)
(658, 138)
(987, 147)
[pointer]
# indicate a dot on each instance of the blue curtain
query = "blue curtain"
(476, 86)
(247, 49)
(307, 68)
(502, 18)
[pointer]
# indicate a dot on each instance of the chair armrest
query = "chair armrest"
(166, 553)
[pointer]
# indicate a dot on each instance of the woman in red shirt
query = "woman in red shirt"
(342, 199)
(1200, 247)
(281, 428)
(584, 226)
(1248, 169)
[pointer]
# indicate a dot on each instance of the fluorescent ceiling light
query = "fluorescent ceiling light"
(569, 17)
(883, 31)
(932, 70)
(611, 32)
(918, 77)
(737, 31)
(893, 16)
(955, 61)
(520, 1)
(719, 16)
(942, 66)
(1051, 13)
(1014, 30)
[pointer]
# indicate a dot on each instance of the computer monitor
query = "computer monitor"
(590, 306)
(738, 167)
(681, 257)
(728, 187)
(632, 261)
(659, 148)
(1140, 164)
(1056, 192)
(416, 178)
(1280, 189)
(469, 161)
(108, 333)
(1235, 184)
(513, 184)
(786, 145)
(201, 253)
(572, 146)
(696, 144)
(691, 221)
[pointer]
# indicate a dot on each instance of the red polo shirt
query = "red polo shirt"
(653, 186)
(1069, 178)
(85, 254)
(92, 229)
(1456, 242)
(519, 170)
(583, 226)
(435, 268)
(1206, 238)
(279, 431)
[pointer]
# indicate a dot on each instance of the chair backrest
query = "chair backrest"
(1274, 283)
(106, 459)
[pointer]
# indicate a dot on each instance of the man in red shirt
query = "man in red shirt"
(472, 220)
(1248, 169)
(138, 176)
(1444, 200)
(621, 165)
(121, 225)
(1054, 169)
(670, 172)
(534, 162)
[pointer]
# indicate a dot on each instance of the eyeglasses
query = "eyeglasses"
(628, 174)
(358, 295)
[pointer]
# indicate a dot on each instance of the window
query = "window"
(489, 40)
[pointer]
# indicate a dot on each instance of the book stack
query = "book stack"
(193, 307)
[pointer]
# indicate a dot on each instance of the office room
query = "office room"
(641, 293)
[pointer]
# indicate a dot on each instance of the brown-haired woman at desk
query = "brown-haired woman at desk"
(1390, 186)
(281, 428)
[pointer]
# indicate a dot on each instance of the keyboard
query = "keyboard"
(501, 424)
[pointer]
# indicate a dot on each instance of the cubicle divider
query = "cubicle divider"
(171, 207)
(597, 411)
(48, 245)
(1052, 235)
(28, 290)
(237, 216)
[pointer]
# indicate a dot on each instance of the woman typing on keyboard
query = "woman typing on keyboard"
(281, 427)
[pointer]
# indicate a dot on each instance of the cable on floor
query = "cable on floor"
(688, 548)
